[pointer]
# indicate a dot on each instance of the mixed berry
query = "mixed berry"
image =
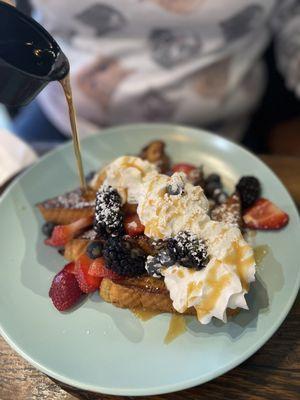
(118, 247)
(108, 214)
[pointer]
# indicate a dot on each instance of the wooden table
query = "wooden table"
(272, 373)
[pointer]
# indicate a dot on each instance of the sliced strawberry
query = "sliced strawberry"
(87, 283)
(183, 167)
(70, 267)
(265, 215)
(98, 268)
(62, 234)
(64, 290)
(133, 225)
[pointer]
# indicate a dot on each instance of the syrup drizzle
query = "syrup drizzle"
(177, 327)
(66, 85)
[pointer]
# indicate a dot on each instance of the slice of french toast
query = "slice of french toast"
(145, 292)
(229, 212)
(75, 247)
(68, 207)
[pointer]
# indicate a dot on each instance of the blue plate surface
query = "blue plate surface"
(104, 349)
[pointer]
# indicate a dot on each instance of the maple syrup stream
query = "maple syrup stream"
(66, 85)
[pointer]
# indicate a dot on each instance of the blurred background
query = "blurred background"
(269, 124)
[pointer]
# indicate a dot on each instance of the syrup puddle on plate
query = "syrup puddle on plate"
(177, 325)
(260, 253)
(144, 315)
(176, 328)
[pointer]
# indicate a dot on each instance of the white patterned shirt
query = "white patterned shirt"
(195, 62)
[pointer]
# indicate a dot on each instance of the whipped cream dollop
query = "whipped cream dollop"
(169, 205)
(127, 175)
(165, 215)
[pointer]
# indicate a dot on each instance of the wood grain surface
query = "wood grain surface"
(272, 373)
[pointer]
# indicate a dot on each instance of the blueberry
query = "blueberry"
(221, 197)
(47, 228)
(174, 189)
(153, 266)
(213, 178)
(166, 258)
(90, 176)
(211, 187)
(94, 250)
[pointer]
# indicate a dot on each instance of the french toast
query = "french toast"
(159, 237)
(75, 247)
(67, 208)
(145, 292)
(229, 212)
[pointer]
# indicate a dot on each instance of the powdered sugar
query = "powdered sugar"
(73, 199)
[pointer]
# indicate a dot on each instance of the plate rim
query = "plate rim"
(162, 389)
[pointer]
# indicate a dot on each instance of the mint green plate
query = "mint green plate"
(104, 349)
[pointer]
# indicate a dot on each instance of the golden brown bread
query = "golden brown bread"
(144, 293)
(155, 153)
(68, 208)
(74, 248)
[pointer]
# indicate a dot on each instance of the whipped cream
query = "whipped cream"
(127, 174)
(222, 283)
(165, 215)
(225, 280)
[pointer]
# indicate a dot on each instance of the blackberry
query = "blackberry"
(94, 250)
(249, 189)
(47, 228)
(123, 258)
(108, 215)
(189, 250)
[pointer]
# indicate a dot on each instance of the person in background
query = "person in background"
(194, 62)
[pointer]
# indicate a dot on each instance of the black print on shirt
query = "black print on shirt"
(242, 23)
(102, 18)
(155, 107)
(170, 48)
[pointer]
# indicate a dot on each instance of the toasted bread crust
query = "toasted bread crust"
(63, 216)
(138, 293)
(74, 248)
(144, 293)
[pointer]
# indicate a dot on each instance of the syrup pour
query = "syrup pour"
(66, 85)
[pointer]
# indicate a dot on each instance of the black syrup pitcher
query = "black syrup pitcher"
(29, 57)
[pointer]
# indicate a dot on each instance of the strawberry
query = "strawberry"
(183, 167)
(70, 267)
(64, 233)
(98, 268)
(87, 283)
(265, 215)
(133, 225)
(64, 290)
